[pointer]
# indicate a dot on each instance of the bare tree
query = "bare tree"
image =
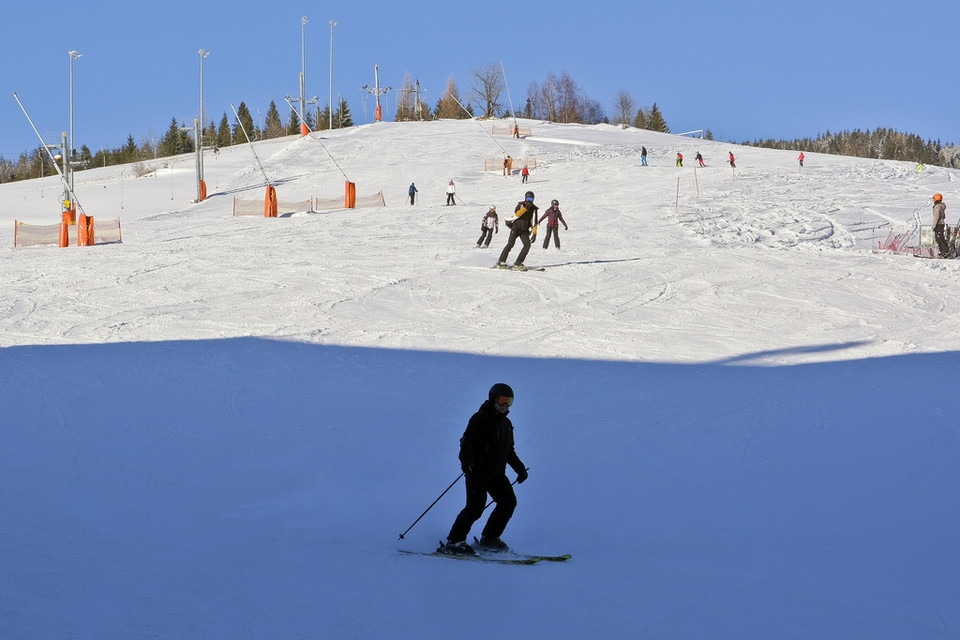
(406, 99)
(488, 86)
(624, 106)
(560, 99)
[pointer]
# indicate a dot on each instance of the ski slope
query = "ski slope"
(738, 417)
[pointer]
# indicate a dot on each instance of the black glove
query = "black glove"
(521, 476)
(466, 467)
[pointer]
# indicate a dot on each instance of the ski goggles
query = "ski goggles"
(507, 400)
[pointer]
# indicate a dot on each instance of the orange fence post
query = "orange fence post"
(203, 191)
(85, 231)
(349, 195)
(270, 203)
(304, 130)
(64, 235)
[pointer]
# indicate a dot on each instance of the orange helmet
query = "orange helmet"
(938, 197)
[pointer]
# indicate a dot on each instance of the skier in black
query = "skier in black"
(486, 449)
(525, 218)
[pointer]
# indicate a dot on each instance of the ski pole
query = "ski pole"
(431, 506)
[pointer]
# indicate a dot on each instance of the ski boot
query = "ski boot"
(457, 549)
(492, 544)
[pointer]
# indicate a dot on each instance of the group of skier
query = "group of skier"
(523, 226)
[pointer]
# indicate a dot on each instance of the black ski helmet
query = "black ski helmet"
(528, 196)
(500, 389)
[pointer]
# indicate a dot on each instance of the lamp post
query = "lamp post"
(68, 161)
(303, 71)
(198, 134)
(332, 25)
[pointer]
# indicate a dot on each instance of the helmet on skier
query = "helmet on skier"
(500, 389)
(938, 197)
(554, 203)
(528, 196)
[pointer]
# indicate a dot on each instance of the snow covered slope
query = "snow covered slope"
(737, 417)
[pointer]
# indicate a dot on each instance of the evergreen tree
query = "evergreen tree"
(224, 136)
(293, 125)
(246, 120)
(342, 118)
(273, 127)
(323, 119)
(175, 141)
(642, 119)
(657, 123)
(210, 135)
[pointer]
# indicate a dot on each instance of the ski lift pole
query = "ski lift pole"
(250, 142)
(322, 146)
(431, 506)
(63, 178)
(516, 126)
(504, 151)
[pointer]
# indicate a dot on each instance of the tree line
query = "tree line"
(881, 144)
(558, 98)
(178, 139)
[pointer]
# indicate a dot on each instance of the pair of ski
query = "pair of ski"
(515, 268)
(496, 557)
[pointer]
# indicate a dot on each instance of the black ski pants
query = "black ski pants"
(524, 238)
(556, 236)
(485, 234)
(942, 246)
(478, 486)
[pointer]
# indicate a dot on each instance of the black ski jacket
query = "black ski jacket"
(487, 444)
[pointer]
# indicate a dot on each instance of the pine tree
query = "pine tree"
(244, 117)
(175, 141)
(224, 137)
(293, 125)
(342, 118)
(323, 120)
(656, 122)
(642, 119)
(273, 127)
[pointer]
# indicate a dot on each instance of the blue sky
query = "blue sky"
(744, 70)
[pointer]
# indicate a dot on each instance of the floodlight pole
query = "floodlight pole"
(332, 25)
(303, 65)
(198, 134)
(68, 158)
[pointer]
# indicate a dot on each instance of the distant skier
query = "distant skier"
(486, 449)
(643, 156)
(800, 158)
(700, 159)
(525, 218)
(732, 161)
(412, 192)
(940, 224)
(488, 226)
(451, 194)
(554, 219)
(679, 159)
(525, 172)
